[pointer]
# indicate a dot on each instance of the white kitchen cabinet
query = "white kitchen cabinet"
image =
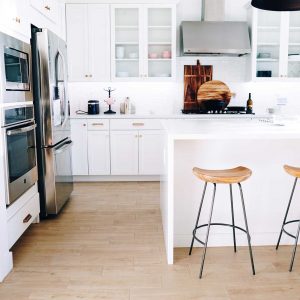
(275, 45)
(14, 18)
(124, 152)
(98, 152)
(22, 213)
(143, 42)
(49, 8)
(88, 38)
(150, 152)
(79, 136)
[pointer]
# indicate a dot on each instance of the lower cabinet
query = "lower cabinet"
(120, 147)
(150, 152)
(79, 150)
(21, 214)
(98, 153)
(124, 152)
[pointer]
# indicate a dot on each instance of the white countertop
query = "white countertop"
(173, 116)
(230, 129)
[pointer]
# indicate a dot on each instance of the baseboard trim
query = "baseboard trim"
(110, 178)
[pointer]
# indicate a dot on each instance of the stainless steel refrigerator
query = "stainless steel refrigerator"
(49, 55)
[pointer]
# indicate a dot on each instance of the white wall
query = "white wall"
(167, 98)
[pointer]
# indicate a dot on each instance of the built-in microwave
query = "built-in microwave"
(16, 70)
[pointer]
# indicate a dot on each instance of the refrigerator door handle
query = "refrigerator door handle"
(63, 147)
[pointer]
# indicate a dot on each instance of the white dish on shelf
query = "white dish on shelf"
(122, 74)
(295, 57)
(133, 55)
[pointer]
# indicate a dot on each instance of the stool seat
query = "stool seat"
(228, 176)
(292, 171)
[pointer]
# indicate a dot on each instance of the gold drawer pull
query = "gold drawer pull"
(48, 7)
(27, 219)
(17, 20)
(138, 124)
(97, 124)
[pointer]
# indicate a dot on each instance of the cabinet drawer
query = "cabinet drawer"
(21, 220)
(135, 124)
(98, 124)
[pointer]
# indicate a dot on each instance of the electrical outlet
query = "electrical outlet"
(282, 101)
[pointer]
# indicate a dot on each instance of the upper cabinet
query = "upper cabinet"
(143, 42)
(275, 45)
(88, 37)
(14, 18)
(49, 8)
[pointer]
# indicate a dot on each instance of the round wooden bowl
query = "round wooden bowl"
(213, 90)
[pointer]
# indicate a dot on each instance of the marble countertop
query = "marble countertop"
(231, 129)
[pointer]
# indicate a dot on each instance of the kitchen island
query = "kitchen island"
(259, 145)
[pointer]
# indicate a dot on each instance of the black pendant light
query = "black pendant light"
(277, 5)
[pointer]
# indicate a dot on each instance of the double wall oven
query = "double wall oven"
(17, 117)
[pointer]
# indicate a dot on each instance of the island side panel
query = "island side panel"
(167, 198)
(266, 192)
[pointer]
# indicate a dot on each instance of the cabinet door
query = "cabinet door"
(14, 17)
(126, 42)
(160, 42)
(79, 149)
(293, 52)
(150, 152)
(99, 42)
(98, 152)
(124, 152)
(77, 40)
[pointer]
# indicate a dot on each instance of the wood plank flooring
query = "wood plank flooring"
(108, 244)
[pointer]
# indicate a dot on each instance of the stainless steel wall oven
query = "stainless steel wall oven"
(20, 151)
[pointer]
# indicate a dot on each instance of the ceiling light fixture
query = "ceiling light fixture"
(277, 5)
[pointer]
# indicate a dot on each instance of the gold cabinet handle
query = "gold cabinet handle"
(97, 124)
(48, 7)
(138, 124)
(17, 20)
(27, 218)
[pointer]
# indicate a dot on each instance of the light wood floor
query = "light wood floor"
(108, 244)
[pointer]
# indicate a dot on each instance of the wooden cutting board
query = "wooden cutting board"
(194, 77)
(214, 90)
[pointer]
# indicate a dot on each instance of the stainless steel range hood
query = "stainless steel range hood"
(215, 38)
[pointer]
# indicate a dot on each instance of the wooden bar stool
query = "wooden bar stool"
(295, 172)
(230, 176)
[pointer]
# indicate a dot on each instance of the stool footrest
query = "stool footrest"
(286, 232)
(215, 224)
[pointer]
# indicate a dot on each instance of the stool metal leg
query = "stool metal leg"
(247, 229)
(208, 228)
(197, 221)
(295, 248)
(232, 216)
(287, 212)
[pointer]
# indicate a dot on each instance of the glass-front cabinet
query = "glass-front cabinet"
(294, 45)
(143, 42)
(275, 45)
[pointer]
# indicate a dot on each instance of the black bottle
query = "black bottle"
(249, 105)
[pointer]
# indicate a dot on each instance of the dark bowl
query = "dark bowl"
(213, 105)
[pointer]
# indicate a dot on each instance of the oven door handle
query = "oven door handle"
(21, 130)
